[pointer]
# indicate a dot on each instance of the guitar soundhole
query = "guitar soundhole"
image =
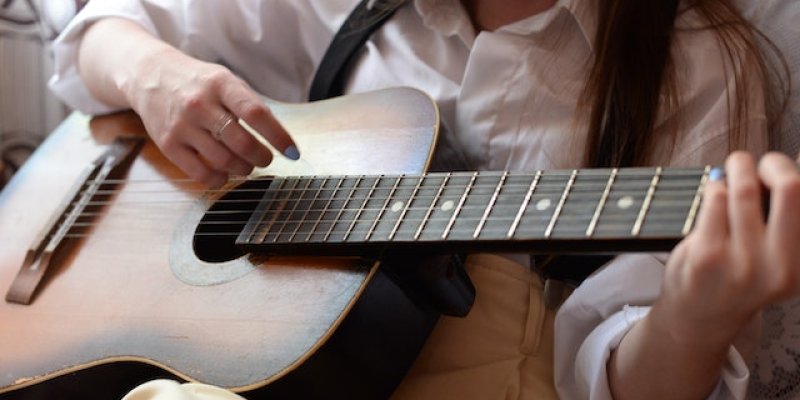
(215, 237)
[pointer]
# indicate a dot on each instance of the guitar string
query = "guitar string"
(542, 192)
(567, 221)
(587, 183)
(547, 187)
(577, 199)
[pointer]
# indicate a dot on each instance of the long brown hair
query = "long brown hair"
(633, 73)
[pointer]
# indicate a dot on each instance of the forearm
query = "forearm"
(112, 53)
(650, 363)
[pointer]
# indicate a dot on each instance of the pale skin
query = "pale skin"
(731, 266)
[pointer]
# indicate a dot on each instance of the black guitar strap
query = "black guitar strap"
(363, 21)
(438, 282)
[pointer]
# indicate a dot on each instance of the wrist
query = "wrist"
(685, 334)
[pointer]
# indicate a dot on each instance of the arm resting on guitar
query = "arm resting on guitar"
(190, 108)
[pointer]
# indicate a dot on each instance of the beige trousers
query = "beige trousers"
(502, 350)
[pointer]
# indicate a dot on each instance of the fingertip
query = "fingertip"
(291, 152)
(716, 174)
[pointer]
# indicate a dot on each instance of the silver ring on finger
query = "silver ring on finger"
(222, 123)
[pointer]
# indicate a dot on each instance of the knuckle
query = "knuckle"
(217, 77)
(193, 102)
(253, 111)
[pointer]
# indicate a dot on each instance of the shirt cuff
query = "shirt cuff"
(593, 355)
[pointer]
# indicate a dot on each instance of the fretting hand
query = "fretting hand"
(734, 263)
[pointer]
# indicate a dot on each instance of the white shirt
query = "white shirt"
(509, 96)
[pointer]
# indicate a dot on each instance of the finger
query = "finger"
(226, 129)
(241, 100)
(712, 220)
(189, 161)
(218, 156)
(780, 175)
(745, 210)
(242, 143)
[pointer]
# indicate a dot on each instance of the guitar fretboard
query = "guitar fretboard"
(574, 210)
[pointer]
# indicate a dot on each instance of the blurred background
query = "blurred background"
(27, 109)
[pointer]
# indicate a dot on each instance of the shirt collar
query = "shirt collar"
(450, 18)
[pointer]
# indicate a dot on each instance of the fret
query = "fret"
(637, 226)
(400, 199)
(265, 208)
(625, 199)
(360, 211)
(288, 221)
(585, 192)
(422, 201)
(542, 205)
(689, 223)
(325, 209)
(308, 210)
(560, 205)
(341, 210)
(490, 206)
(671, 203)
(447, 195)
(471, 212)
(524, 205)
(460, 205)
(405, 209)
(383, 208)
(602, 203)
(430, 208)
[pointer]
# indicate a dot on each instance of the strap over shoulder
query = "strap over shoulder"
(363, 21)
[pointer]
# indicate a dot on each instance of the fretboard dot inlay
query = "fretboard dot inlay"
(543, 204)
(448, 205)
(397, 206)
(625, 203)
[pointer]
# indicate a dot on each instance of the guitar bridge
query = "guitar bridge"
(111, 165)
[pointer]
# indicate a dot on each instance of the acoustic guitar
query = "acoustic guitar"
(118, 269)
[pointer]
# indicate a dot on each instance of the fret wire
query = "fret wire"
(324, 209)
(263, 229)
(361, 209)
(524, 204)
(460, 204)
(490, 205)
(294, 207)
(436, 198)
(310, 207)
(344, 207)
(408, 204)
(560, 205)
(637, 226)
(687, 226)
(384, 208)
(601, 204)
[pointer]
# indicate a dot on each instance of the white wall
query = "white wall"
(28, 112)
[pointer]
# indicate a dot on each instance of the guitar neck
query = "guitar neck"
(587, 210)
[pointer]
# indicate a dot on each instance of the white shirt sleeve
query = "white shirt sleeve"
(274, 45)
(595, 318)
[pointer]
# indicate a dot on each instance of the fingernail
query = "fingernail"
(291, 153)
(716, 174)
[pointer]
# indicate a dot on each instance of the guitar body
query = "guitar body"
(133, 298)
